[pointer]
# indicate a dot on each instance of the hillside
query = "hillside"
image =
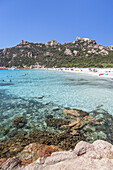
(80, 53)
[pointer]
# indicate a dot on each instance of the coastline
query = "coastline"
(19, 68)
(82, 126)
(100, 72)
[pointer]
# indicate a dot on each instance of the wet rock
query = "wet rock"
(35, 150)
(19, 122)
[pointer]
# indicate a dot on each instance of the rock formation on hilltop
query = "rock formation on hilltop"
(52, 43)
(83, 52)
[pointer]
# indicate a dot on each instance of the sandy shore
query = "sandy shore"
(100, 72)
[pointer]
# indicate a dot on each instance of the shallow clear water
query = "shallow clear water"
(36, 93)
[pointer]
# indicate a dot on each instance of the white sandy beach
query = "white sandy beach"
(100, 72)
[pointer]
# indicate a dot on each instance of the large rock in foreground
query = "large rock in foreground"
(10, 164)
(35, 150)
(85, 156)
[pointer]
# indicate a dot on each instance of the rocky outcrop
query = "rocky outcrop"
(104, 52)
(85, 156)
(52, 43)
(48, 54)
(92, 47)
(4, 51)
(84, 39)
(30, 55)
(10, 164)
(68, 52)
(75, 52)
(35, 150)
(2, 160)
(110, 47)
(24, 42)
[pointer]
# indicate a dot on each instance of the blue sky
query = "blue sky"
(60, 20)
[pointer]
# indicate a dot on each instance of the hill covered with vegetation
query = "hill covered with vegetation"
(82, 52)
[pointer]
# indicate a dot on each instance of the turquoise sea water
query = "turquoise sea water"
(37, 93)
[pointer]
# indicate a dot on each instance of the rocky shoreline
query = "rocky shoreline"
(77, 126)
(85, 156)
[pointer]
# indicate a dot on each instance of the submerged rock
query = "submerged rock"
(19, 122)
(12, 133)
(92, 126)
(76, 124)
(79, 126)
(5, 131)
(74, 112)
(55, 122)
